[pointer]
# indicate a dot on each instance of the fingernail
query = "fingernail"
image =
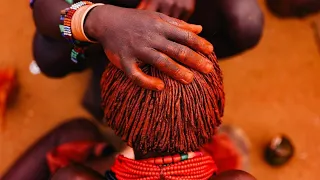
(197, 29)
(208, 68)
(160, 86)
(188, 78)
(210, 48)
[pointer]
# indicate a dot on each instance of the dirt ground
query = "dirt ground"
(274, 88)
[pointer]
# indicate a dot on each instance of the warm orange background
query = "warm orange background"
(272, 89)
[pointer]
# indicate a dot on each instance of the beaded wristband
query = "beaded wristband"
(66, 18)
(77, 22)
(77, 53)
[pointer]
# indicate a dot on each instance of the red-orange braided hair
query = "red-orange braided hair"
(180, 118)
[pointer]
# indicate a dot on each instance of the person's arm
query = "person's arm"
(50, 50)
(53, 56)
(130, 36)
(46, 15)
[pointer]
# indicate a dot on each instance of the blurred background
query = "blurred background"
(272, 89)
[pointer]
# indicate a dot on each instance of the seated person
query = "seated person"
(166, 130)
(233, 27)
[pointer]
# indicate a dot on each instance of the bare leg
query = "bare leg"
(33, 165)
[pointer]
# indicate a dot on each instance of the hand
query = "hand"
(129, 36)
(181, 9)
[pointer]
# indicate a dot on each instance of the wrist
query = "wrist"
(92, 25)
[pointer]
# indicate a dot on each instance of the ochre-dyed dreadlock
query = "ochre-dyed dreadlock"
(178, 119)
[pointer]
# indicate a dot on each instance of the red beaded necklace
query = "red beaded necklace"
(182, 166)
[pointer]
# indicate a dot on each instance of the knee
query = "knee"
(245, 23)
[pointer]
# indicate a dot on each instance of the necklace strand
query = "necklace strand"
(189, 166)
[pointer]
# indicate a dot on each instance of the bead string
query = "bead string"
(199, 167)
(172, 159)
(77, 52)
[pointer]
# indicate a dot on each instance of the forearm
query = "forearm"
(53, 56)
(46, 15)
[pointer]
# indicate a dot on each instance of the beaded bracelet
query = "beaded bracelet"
(72, 20)
(66, 17)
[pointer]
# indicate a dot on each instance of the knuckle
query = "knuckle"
(159, 60)
(182, 52)
(200, 63)
(134, 77)
(188, 36)
(158, 25)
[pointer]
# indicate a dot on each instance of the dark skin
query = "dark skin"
(125, 43)
(77, 129)
(293, 8)
(180, 9)
(171, 45)
(157, 41)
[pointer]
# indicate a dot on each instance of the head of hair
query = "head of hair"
(180, 118)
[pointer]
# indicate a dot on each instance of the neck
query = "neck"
(139, 155)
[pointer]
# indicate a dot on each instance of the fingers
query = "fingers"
(181, 24)
(152, 6)
(182, 12)
(186, 56)
(133, 71)
(166, 9)
(189, 39)
(176, 12)
(235, 174)
(114, 59)
(148, 5)
(185, 15)
(189, 10)
(143, 4)
(168, 66)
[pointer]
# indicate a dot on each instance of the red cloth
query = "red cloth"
(7, 81)
(224, 152)
(78, 152)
